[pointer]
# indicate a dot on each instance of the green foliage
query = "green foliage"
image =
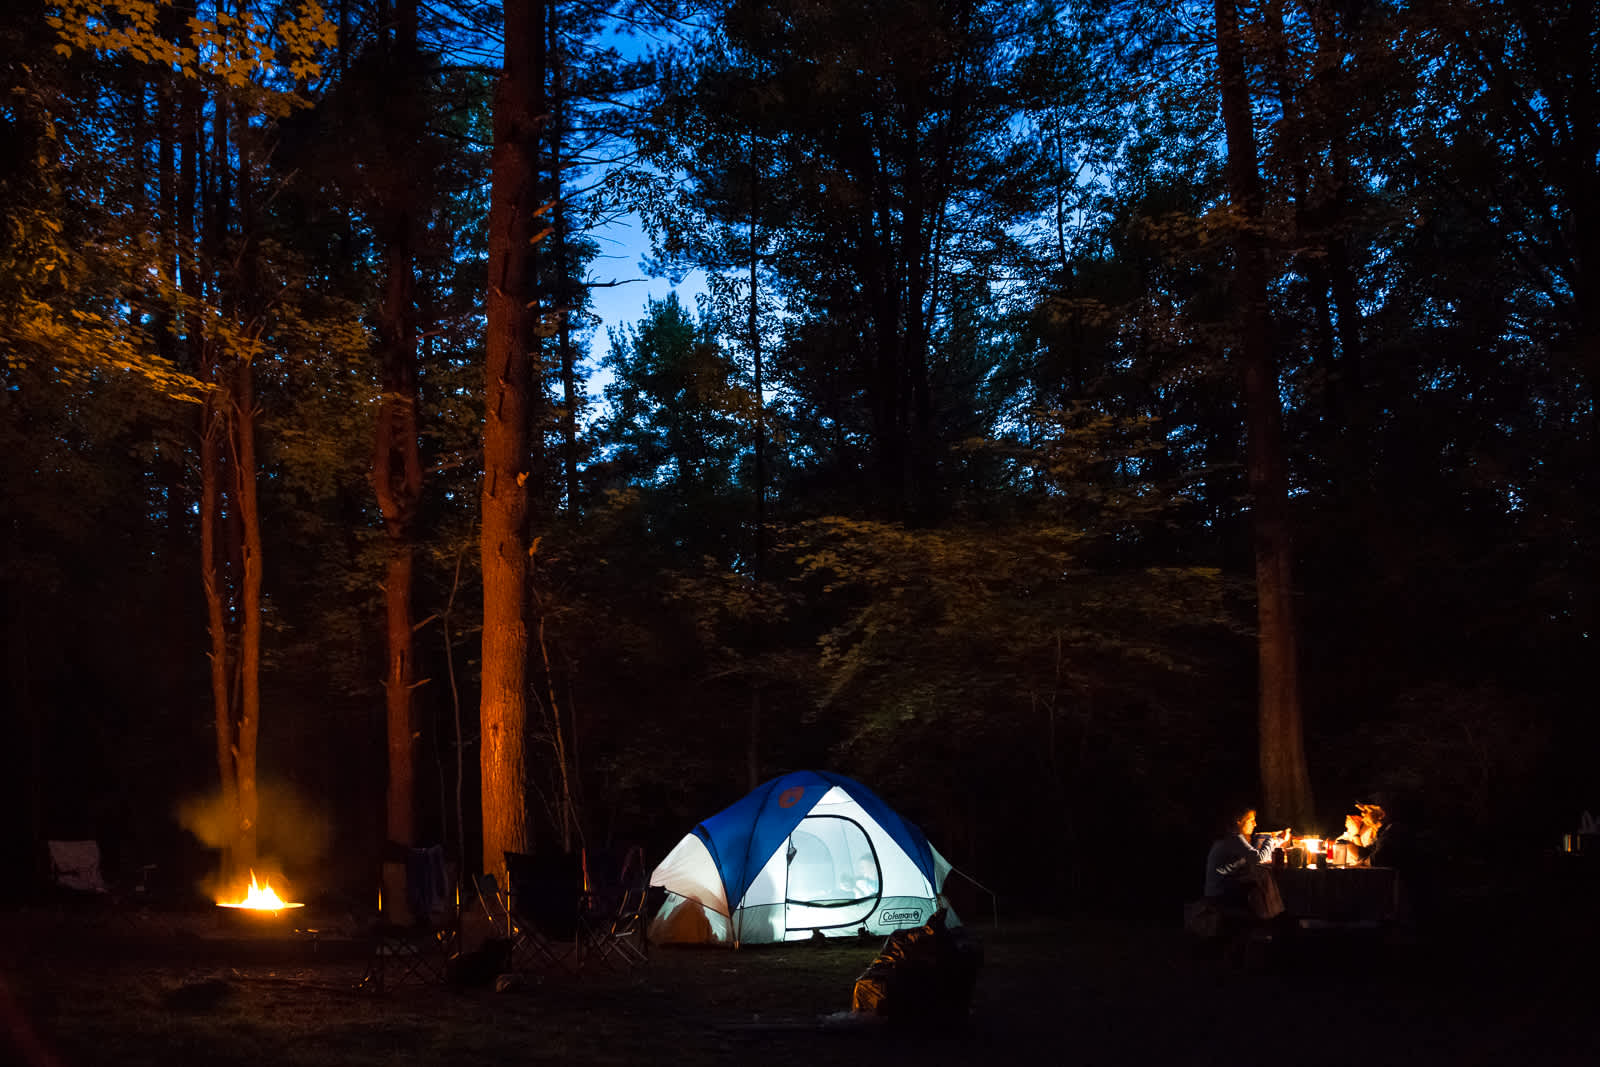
(960, 624)
(676, 429)
(992, 275)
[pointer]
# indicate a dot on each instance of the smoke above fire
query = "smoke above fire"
(292, 834)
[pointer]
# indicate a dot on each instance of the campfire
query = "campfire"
(259, 897)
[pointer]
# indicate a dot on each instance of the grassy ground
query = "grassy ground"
(82, 991)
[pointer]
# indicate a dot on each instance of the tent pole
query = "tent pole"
(994, 898)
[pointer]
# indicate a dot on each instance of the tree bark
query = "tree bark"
(174, 461)
(397, 464)
(756, 370)
(243, 463)
(758, 567)
(1284, 777)
(564, 283)
(244, 469)
(511, 348)
(213, 440)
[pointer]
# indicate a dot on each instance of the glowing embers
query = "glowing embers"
(260, 897)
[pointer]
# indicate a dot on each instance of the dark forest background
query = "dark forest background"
(943, 485)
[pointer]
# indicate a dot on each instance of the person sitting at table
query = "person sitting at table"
(1237, 880)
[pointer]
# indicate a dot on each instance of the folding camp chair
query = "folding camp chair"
(75, 867)
(415, 946)
(544, 902)
(615, 887)
(526, 948)
(77, 885)
(495, 905)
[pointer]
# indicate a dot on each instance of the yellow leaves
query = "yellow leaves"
(304, 36)
(80, 346)
(232, 48)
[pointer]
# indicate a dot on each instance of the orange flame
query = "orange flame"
(259, 898)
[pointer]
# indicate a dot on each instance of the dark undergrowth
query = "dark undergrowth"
(1504, 986)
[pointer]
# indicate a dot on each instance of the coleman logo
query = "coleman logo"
(901, 917)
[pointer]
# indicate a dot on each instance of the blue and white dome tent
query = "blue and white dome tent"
(807, 853)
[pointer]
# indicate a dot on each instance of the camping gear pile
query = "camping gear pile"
(924, 976)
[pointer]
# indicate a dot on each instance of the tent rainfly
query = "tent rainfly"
(807, 853)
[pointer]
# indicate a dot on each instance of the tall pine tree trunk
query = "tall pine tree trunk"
(758, 569)
(511, 348)
(199, 281)
(1284, 776)
(565, 285)
(397, 463)
(249, 724)
(243, 463)
(178, 533)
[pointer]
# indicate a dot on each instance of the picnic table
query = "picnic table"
(1341, 894)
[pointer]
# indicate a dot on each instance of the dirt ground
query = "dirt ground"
(143, 989)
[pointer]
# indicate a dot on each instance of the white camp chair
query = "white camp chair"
(75, 865)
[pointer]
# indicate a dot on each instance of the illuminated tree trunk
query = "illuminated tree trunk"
(231, 571)
(1284, 777)
(244, 468)
(511, 345)
(243, 463)
(216, 621)
(397, 465)
(213, 443)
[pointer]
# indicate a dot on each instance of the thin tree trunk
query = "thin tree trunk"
(1284, 775)
(178, 534)
(244, 468)
(758, 570)
(561, 285)
(19, 671)
(1341, 302)
(226, 510)
(455, 707)
(213, 428)
(243, 461)
(212, 434)
(564, 285)
(566, 812)
(510, 350)
(397, 464)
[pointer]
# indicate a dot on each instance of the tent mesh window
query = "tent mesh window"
(831, 863)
